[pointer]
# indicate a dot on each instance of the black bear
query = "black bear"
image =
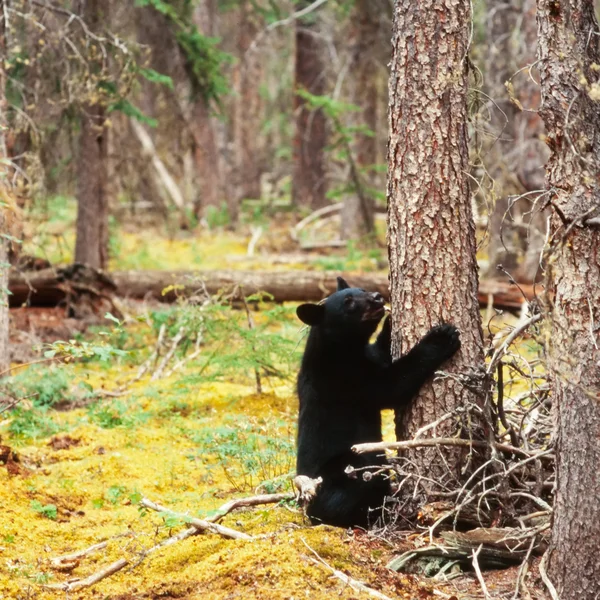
(343, 384)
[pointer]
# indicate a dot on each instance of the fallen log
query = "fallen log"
(47, 288)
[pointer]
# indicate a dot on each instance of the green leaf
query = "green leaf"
(132, 111)
(156, 77)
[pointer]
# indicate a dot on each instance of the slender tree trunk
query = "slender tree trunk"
(4, 205)
(569, 56)
(431, 234)
(202, 126)
(358, 210)
(515, 160)
(248, 109)
(308, 180)
(91, 245)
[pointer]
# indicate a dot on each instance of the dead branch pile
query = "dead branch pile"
(509, 475)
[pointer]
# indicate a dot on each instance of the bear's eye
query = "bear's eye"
(348, 301)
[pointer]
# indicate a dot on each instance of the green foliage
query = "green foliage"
(217, 216)
(130, 110)
(205, 61)
(44, 386)
(114, 413)
(252, 453)
(32, 423)
(49, 511)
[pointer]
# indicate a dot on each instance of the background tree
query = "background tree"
(4, 265)
(308, 183)
(431, 234)
(91, 245)
(569, 56)
(365, 23)
(513, 152)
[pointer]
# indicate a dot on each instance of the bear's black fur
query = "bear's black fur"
(343, 384)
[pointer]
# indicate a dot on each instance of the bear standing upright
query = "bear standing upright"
(343, 384)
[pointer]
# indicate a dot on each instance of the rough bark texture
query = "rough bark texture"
(91, 245)
(357, 218)
(569, 57)
(431, 234)
(47, 287)
(308, 179)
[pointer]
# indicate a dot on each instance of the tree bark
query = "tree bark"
(47, 288)
(308, 180)
(357, 218)
(4, 206)
(248, 110)
(569, 56)
(91, 245)
(431, 234)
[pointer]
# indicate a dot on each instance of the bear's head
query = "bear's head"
(347, 313)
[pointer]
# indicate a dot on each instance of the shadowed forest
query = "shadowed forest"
(178, 176)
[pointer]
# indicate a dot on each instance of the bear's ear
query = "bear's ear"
(342, 284)
(311, 314)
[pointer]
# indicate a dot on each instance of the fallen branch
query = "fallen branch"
(353, 583)
(480, 578)
(72, 586)
(383, 446)
(43, 288)
(67, 562)
(199, 524)
(251, 501)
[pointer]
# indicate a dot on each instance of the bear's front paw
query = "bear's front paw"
(445, 337)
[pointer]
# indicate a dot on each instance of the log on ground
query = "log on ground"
(45, 288)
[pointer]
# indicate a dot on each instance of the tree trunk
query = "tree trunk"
(357, 218)
(4, 206)
(515, 153)
(308, 180)
(91, 245)
(569, 56)
(431, 234)
(202, 126)
(248, 110)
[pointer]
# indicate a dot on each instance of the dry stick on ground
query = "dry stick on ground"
(353, 583)
(67, 562)
(167, 357)
(549, 585)
(198, 526)
(478, 573)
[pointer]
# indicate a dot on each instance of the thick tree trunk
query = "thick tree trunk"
(569, 56)
(308, 180)
(357, 218)
(431, 234)
(47, 287)
(91, 245)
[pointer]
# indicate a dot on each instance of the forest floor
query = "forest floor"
(92, 435)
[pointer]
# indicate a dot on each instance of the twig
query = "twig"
(549, 585)
(66, 562)
(256, 233)
(199, 524)
(509, 340)
(523, 570)
(153, 358)
(92, 579)
(479, 575)
(353, 583)
(251, 326)
(167, 357)
(382, 446)
(251, 501)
